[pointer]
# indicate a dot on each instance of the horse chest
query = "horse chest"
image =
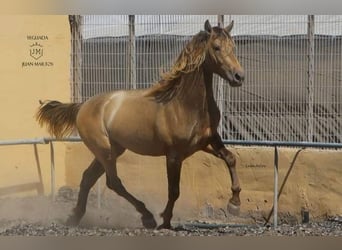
(201, 134)
(198, 132)
(206, 128)
(190, 128)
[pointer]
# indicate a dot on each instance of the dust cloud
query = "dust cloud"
(113, 213)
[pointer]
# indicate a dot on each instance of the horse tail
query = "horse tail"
(59, 118)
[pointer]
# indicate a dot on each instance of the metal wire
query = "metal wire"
(274, 102)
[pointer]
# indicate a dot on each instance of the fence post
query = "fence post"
(76, 57)
(275, 197)
(52, 158)
(220, 95)
(220, 20)
(311, 71)
(41, 185)
(132, 59)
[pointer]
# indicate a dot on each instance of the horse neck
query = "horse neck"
(208, 79)
(197, 92)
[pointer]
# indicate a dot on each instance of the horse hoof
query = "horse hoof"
(72, 221)
(233, 209)
(149, 222)
(164, 226)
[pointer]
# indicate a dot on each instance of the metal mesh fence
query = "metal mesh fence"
(272, 104)
(292, 92)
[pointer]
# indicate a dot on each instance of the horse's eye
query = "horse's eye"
(217, 48)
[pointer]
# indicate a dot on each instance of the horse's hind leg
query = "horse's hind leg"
(114, 183)
(89, 178)
(220, 150)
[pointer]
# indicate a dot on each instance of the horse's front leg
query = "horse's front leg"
(218, 149)
(173, 166)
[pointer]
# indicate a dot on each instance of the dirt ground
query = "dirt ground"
(40, 216)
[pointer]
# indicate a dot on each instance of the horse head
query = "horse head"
(220, 57)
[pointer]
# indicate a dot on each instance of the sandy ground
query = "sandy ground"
(39, 216)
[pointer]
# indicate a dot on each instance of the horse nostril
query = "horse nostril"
(239, 77)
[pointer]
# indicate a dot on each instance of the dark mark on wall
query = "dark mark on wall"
(255, 166)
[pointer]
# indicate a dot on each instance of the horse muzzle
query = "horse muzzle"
(236, 78)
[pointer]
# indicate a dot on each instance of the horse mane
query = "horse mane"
(189, 60)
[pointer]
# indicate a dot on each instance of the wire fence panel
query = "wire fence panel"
(292, 91)
(272, 104)
(327, 111)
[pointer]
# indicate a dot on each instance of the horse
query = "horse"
(176, 117)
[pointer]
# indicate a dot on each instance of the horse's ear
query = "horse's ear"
(207, 26)
(229, 28)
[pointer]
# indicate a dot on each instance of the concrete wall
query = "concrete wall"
(29, 74)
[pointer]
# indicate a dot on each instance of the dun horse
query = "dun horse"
(176, 117)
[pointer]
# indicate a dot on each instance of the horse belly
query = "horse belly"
(132, 127)
(138, 142)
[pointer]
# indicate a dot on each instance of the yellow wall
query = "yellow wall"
(314, 183)
(22, 86)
